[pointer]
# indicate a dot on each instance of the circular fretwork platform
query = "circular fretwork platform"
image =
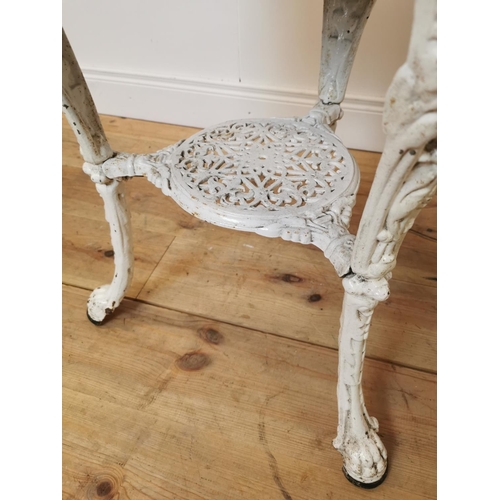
(266, 169)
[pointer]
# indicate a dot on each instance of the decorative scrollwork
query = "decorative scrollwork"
(267, 165)
(157, 167)
(415, 193)
(406, 176)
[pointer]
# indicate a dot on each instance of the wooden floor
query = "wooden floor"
(215, 379)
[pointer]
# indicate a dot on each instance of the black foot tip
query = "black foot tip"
(97, 323)
(366, 486)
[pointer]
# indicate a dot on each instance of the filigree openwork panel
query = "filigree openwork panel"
(259, 166)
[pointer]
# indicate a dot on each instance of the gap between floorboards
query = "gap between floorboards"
(374, 358)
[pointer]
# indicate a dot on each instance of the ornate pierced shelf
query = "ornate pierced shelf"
(276, 177)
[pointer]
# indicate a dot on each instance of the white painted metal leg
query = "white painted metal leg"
(405, 181)
(365, 457)
(79, 108)
(106, 298)
(343, 24)
(95, 149)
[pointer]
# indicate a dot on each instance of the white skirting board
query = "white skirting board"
(205, 103)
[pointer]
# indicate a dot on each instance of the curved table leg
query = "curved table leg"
(95, 149)
(405, 181)
(106, 298)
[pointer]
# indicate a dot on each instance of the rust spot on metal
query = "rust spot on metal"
(193, 361)
(109, 253)
(315, 297)
(431, 145)
(211, 335)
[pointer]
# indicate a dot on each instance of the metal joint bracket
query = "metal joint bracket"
(324, 114)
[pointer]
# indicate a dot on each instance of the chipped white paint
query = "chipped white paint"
(80, 111)
(405, 181)
(293, 178)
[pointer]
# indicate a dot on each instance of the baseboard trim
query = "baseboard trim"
(202, 103)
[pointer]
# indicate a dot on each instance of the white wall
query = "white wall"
(200, 62)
